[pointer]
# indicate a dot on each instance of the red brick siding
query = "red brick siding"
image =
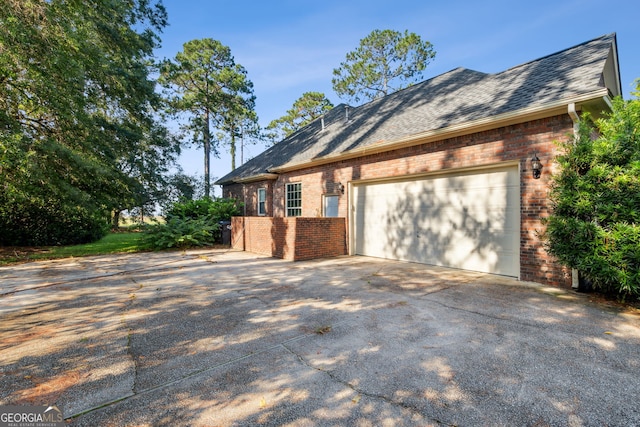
(252, 234)
(507, 144)
(291, 238)
(248, 194)
(319, 237)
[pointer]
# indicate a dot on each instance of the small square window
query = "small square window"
(330, 205)
(262, 201)
(294, 199)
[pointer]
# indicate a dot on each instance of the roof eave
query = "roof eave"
(249, 179)
(616, 65)
(505, 119)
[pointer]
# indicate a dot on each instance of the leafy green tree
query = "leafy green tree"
(150, 166)
(238, 133)
(250, 134)
(179, 187)
(305, 109)
(595, 224)
(205, 82)
(75, 99)
(240, 124)
(385, 61)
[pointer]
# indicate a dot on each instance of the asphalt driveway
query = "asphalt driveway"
(222, 338)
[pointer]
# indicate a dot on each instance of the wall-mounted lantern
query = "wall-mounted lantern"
(536, 166)
(341, 188)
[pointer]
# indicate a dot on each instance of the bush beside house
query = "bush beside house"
(192, 223)
(595, 224)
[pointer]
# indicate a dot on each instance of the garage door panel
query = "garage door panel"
(468, 221)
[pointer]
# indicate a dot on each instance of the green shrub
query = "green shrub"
(36, 220)
(224, 209)
(193, 209)
(180, 233)
(595, 224)
(206, 208)
(192, 223)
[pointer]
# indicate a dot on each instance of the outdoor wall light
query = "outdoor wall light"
(341, 188)
(536, 166)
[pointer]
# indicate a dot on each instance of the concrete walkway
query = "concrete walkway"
(223, 338)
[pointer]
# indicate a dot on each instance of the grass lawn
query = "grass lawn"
(126, 242)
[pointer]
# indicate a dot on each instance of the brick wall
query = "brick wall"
(253, 234)
(506, 144)
(294, 238)
(248, 195)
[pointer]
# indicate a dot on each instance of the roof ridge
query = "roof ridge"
(600, 38)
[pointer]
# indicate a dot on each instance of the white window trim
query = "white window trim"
(264, 202)
(287, 208)
(324, 203)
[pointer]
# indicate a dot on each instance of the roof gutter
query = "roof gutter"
(519, 116)
(259, 177)
(249, 179)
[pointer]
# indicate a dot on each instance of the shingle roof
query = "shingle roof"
(450, 99)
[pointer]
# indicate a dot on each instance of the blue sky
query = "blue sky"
(292, 47)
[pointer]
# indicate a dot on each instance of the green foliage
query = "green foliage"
(110, 244)
(37, 220)
(204, 81)
(383, 63)
(181, 233)
(224, 209)
(191, 209)
(77, 137)
(595, 225)
(213, 210)
(192, 223)
(307, 108)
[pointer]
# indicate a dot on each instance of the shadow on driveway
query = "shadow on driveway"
(221, 338)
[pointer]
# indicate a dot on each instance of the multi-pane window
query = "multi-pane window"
(294, 199)
(262, 200)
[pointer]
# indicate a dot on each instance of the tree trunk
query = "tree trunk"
(241, 144)
(207, 155)
(233, 149)
(115, 220)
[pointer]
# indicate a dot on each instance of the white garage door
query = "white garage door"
(467, 220)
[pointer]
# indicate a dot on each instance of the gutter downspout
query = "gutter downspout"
(244, 200)
(574, 116)
(571, 108)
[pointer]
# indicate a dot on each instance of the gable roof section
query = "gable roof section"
(456, 101)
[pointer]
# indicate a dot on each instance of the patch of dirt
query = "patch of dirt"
(21, 336)
(613, 301)
(21, 253)
(47, 390)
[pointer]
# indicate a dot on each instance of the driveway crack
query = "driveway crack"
(490, 316)
(132, 356)
(360, 391)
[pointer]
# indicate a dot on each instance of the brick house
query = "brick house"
(438, 173)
